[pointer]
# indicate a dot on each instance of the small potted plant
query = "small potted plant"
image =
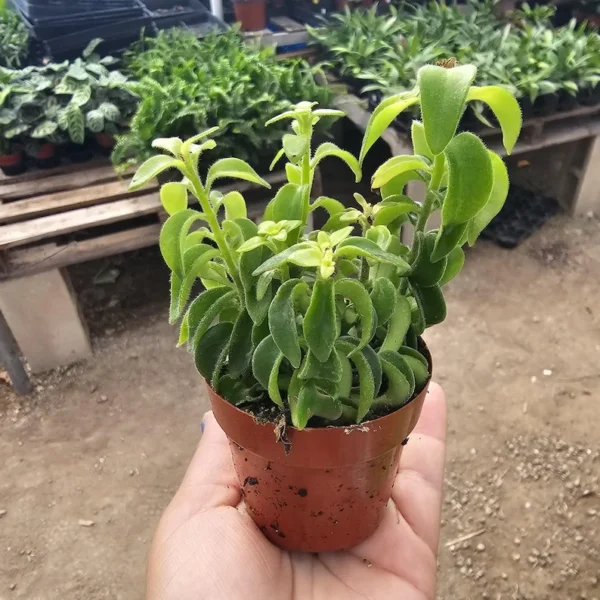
(12, 157)
(310, 342)
(251, 14)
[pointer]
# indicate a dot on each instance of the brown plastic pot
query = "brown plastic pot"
(14, 163)
(251, 14)
(329, 491)
(105, 140)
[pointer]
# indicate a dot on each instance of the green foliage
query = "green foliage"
(326, 323)
(14, 39)
(522, 53)
(60, 102)
(187, 85)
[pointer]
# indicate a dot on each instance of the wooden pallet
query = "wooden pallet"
(74, 213)
(61, 217)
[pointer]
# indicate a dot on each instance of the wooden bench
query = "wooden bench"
(74, 213)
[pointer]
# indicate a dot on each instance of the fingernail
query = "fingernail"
(202, 426)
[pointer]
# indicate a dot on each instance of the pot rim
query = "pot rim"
(357, 426)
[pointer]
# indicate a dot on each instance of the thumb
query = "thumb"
(210, 480)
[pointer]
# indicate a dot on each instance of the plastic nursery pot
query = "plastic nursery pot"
(251, 14)
(13, 164)
(78, 153)
(589, 96)
(105, 142)
(526, 107)
(546, 105)
(47, 157)
(567, 101)
(329, 491)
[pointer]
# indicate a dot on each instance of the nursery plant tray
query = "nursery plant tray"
(523, 214)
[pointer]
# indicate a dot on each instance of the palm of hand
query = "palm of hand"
(205, 547)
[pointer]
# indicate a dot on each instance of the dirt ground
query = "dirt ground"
(519, 356)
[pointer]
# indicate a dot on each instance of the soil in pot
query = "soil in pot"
(13, 164)
(251, 14)
(47, 157)
(319, 489)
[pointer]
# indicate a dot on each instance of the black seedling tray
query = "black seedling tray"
(524, 213)
(208, 24)
(169, 13)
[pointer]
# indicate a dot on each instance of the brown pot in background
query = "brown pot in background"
(329, 492)
(14, 163)
(106, 143)
(47, 157)
(251, 14)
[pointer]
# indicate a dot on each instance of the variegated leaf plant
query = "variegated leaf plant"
(327, 323)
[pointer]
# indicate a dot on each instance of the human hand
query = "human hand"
(206, 546)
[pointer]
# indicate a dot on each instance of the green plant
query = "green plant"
(186, 85)
(523, 53)
(326, 323)
(58, 102)
(14, 39)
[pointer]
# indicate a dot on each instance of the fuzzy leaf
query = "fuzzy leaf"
(495, 202)
(470, 179)
(431, 300)
(361, 301)
(383, 297)
(172, 145)
(235, 206)
(505, 108)
(174, 197)
(233, 168)
(442, 94)
(204, 310)
(265, 367)
(151, 168)
(419, 141)
(387, 213)
(418, 365)
(382, 118)
(287, 204)
(448, 238)
(311, 400)
(399, 388)
(328, 149)
(240, 351)
(395, 166)
(173, 231)
(211, 347)
(425, 272)
(456, 260)
(295, 146)
(398, 325)
(320, 321)
(330, 370)
(282, 320)
(356, 246)
(332, 206)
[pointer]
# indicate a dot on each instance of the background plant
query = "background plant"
(523, 52)
(326, 324)
(14, 39)
(59, 102)
(186, 85)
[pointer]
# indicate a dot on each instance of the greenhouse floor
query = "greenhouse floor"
(91, 459)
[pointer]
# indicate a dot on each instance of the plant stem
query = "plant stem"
(306, 180)
(213, 223)
(434, 185)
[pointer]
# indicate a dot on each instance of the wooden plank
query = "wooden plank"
(28, 261)
(69, 200)
(65, 181)
(35, 173)
(18, 234)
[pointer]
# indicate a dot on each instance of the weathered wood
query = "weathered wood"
(23, 210)
(10, 359)
(45, 227)
(42, 313)
(71, 180)
(28, 261)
